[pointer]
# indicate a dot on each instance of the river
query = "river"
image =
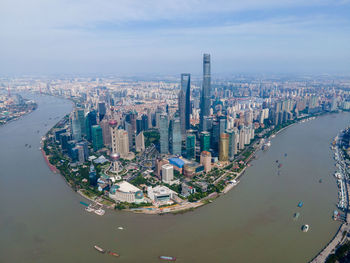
(41, 219)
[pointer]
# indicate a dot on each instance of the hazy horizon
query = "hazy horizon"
(169, 37)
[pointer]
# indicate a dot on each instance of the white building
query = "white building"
(167, 173)
(126, 192)
(160, 193)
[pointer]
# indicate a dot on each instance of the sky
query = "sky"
(135, 37)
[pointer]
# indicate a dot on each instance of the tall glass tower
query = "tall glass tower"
(175, 136)
(191, 146)
(185, 102)
(97, 137)
(164, 133)
(205, 96)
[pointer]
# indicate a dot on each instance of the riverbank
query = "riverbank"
(32, 108)
(340, 237)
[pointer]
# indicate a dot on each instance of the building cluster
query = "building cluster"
(13, 107)
(176, 130)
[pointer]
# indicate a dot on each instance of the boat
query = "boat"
(335, 215)
(99, 212)
(305, 228)
(120, 228)
(166, 258)
(296, 216)
(99, 249)
(113, 254)
(300, 204)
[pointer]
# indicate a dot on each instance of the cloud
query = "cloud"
(105, 34)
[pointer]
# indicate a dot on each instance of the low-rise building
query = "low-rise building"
(126, 192)
(160, 193)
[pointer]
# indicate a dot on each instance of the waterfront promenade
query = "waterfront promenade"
(340, 237)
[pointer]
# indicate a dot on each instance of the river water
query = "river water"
(41, 219)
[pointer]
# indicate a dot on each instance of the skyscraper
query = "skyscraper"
(106, 132)
(205, 141)
(97, 137)
(191, 146)
(90, 121)
(205, 96)
(140, 142)
(145, 122)
(175, 136)
(185, 102)
(76, 128)
(224, 147)
(81, 117)
(232, 144)
(164, 133)
(101, 110)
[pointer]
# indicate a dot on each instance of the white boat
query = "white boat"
(305, 228)
(99, 212)
(120, 228)
(89, 209)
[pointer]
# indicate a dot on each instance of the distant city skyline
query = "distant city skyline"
(170, 37)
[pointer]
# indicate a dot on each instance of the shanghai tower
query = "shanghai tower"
(205, 96)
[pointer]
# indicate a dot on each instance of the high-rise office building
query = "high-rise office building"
(131, 133)
(232, 144)
(140, 142)
(191, 146)
(131, 118)
(76, 128)
(139, 127)
(215, 136)
(81, 117)
(205, 141)
(123, 143)
(97, 137)
(175, 136)
(101, 110)
(205, 96)
(90, 120)
(145, 122)
(223, 148)
(241, 137)
(164, 133)
(185, 102)
(106, 131)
